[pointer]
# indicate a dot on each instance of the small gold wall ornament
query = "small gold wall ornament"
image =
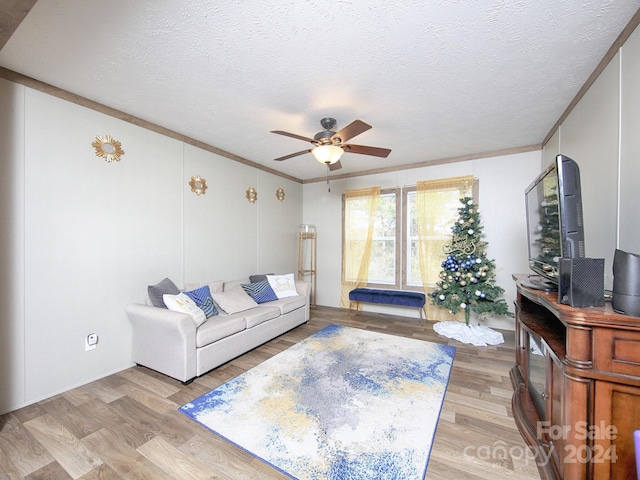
(198, 185)
(108, 148)
(252, 195)
(280, 193)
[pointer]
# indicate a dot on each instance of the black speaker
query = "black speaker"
(581, 282)
(626, 283)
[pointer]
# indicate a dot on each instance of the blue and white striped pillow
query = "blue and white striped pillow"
(260, 291)
(202, 298)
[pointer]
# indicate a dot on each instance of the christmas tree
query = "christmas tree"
(467, 279)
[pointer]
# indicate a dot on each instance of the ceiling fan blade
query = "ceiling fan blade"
(293, 135)
(335, 166)
(291, 155)
(354, 128)
(364, 150)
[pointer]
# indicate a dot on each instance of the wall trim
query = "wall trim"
(112, 112)
(30, 82)
(617, 44)
(430, 163)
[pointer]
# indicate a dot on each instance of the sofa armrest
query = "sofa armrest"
(304, 288)
(163, 340)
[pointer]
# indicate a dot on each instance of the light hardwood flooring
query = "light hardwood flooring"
(127, 425)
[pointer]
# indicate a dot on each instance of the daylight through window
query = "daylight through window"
(399, 226)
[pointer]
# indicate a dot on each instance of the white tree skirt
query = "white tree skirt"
(477, 335)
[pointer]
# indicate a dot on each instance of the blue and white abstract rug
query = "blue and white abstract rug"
(342, 404)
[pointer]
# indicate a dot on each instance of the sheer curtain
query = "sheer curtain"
(434, 229)
(359, 214)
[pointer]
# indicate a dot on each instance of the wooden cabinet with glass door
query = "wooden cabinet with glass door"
(577, 386)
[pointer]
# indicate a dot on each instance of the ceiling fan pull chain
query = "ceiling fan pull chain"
(328, 174)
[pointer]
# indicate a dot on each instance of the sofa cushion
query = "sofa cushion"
(234, 301)
(182, 303)
(283, 285)
(260, 291)
(287, 304)
(156, 291)
(256, 316)
(215, 286)
(202, 297)
(219, 327)
(231, 284)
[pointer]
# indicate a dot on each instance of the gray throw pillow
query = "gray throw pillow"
(156, 292)
(258, 277)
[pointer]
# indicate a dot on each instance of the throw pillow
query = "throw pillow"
(215, 286)
(182, 303)
(202, 298)
(156, 292)
(234, 300)
(283, 285)
(261, 292)
(258, 277)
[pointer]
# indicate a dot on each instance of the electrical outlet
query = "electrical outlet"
(91, 342)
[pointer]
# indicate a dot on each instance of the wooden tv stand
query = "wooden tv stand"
(577, 386)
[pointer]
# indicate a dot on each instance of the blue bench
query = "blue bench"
(387, 297)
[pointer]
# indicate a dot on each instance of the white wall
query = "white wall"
(95, 232)
(590, 137)
(629, 214)
(12, 328)
(277, 232)
(601, 134)
(502, 182)
(82, 238)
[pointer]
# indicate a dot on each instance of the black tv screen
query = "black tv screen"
(555, 226)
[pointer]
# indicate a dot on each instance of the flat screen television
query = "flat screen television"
(555, 227)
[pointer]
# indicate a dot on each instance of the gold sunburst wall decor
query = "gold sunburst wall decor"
(252, 195)
(198, 185)
(280, 194)
(108, 148)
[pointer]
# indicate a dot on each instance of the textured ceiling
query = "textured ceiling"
(435, 79)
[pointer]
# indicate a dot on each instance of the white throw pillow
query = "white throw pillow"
(182, 303)
(234, 300)
(283, 285)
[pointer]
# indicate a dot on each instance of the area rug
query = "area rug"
(344, 403)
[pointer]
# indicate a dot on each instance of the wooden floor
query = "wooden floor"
(127, 425)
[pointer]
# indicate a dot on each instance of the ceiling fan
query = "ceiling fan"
(329, 145)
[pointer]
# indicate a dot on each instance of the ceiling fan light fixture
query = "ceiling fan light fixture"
(327, 154)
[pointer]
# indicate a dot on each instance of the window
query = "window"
(394, 236)
(385, 244)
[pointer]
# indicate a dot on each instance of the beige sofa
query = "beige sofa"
(169, 341)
